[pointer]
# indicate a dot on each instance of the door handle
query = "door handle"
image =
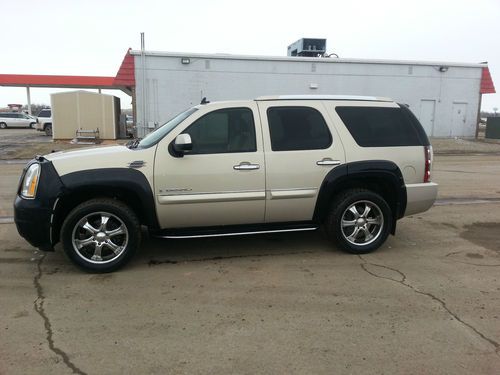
(328, 161)
(246, 166)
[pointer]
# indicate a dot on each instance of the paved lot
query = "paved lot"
(427, 302)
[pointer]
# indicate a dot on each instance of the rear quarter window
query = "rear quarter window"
(380, 126)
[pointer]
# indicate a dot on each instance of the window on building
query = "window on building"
(222, 131)
(379, 126)
(297, 128)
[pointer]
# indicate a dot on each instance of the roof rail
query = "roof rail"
(324, 97)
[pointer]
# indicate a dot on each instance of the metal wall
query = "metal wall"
(446, 101)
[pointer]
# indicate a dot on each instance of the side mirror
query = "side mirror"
(183, 143)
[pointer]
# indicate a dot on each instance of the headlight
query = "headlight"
(30, 181)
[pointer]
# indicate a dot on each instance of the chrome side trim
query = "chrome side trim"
(211, 197)
(241, 233)
(293, 193)
(136, 164)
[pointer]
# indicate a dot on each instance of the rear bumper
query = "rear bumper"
(420, 197)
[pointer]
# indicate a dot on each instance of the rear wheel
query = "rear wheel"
(3, 125)
(359, 221)
(101, 235)
(48, 129)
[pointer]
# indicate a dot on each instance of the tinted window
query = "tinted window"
(224, 130)
(297, 128)
(45, 113)
(379, 126)
(6, 115)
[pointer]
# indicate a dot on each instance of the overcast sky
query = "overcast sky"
(91, 37)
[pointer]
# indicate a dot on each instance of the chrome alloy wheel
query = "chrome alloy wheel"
(362, 223)
(100, 237)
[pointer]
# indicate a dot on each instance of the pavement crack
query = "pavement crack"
(403, 281)
(40, 309)
(154, 262)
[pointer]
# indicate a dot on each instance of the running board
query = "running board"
(226, 233)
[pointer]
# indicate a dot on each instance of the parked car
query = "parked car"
(44, 121)
(16, 120)
(353, 165)
(130, 128)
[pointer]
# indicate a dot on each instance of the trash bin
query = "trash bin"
(492, 128)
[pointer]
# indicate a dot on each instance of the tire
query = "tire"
(48, 129)
(97, 247)
(32, 125)
(354, 229)
(3, 125)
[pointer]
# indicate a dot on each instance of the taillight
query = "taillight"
(428, 160)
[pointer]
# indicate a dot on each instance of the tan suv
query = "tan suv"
(354, 165)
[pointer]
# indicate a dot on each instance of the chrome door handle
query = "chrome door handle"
(246, 166)
(328, 161)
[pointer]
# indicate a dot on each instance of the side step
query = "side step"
(226, 231)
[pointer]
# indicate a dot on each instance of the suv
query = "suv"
(353, 165)
(15, 119)
(44, 121)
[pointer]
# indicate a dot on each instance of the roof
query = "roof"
(126, 73)
(226, 56)
(124, 80)
(325, 97)
(487, 86)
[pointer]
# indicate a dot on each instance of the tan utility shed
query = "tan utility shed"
(85, 110)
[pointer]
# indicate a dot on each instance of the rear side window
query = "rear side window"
(297, 128)
(379, 126)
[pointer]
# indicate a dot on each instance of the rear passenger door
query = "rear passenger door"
(301, 147)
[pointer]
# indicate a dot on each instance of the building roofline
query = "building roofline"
(224, 56)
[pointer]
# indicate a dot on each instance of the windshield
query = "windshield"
(153, 137)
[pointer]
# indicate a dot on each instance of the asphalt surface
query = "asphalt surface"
(428, 301)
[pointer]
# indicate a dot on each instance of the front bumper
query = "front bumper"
(33, 222)
(420, 197)
(33, 217)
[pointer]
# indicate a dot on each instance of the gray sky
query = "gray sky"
(91, 37)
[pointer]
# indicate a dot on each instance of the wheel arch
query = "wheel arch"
(126, 185)
(380, 176)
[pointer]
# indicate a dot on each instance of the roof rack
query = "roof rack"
(325, 97)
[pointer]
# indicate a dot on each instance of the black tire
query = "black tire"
(91, 212)
(3, 125)
(48, 129)
(32, 125)
(345, 236)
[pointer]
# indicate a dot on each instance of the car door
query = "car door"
(222, 180)
(24, 120)
(301, 147)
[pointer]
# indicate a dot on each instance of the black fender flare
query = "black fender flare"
(115, 181)
(351, 174)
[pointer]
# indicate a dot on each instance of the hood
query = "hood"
(99, 157)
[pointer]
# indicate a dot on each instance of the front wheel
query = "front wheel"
(101, 235)
(32, 125)
(359, 221)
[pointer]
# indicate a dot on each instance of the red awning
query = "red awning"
(55, 81)
(126, 73)
(487, 86)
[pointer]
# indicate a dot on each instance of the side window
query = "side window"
(222, 131)
(297, 128)
(379, 126)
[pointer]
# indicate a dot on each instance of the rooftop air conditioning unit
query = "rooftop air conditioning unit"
(309, 47)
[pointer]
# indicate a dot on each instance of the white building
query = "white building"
(444, 96)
